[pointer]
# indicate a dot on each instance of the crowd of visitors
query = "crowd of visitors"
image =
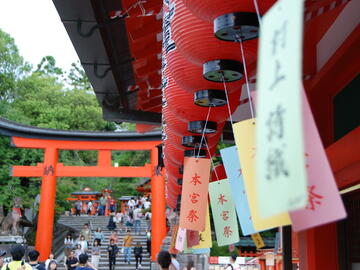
(106, 205)
(18, 262)
(76, 251)
(94, 207)
(137, 210)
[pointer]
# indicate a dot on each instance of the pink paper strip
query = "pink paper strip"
(180, 239)
(324, 201)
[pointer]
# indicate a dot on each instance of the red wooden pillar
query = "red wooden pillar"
(158, 219)
(47, 204)
(262, 264)
(318, 248)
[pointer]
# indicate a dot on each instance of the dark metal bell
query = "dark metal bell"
(217, 70)
(195, 153)
(193, 141)
(200, 127)
(210, 98)
(237, 26)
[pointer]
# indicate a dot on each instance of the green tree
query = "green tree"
(12, 66)
(77, 78)
(50, 98)
(48, 66)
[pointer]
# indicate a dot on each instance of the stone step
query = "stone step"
(102, 222)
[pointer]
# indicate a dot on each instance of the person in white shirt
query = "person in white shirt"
(147, 204)
(51, 258)
(131, 203)
(83, 244)
(175, 265)
(232, 265)
(137, 220)
(89, 205)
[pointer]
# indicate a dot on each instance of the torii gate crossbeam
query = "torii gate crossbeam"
(50, 169)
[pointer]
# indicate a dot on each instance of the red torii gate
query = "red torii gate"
(50, 169)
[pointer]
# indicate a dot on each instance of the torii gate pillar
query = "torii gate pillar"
(158, 219)
(51, 169)
(45, 225)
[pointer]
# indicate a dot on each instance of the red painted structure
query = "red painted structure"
(331, 61)
(85, 195)
(51, 169)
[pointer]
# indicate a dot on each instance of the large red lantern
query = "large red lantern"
(170, 201)
(195, 40)
(172, 168)
(175, 182)
(208, 10)
(188, 140)
(175, 187)
(181, 103)
(173, 154)
(197, 127)
(189, 76)
(231, 18)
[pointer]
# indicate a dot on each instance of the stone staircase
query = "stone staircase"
(100, 221)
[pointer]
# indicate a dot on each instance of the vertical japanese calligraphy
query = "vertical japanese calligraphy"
(281, 178)
(194, 193)
(223, 212)
(49, 170)
(180, 239)
(244, 133)
(234, 173)
(258, 241)
(324, 203)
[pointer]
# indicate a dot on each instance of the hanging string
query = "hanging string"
(143, 11)
(125, 13)
(203, 132)
(257, 12)
(227, 99)
(212, 162)
(246, 79)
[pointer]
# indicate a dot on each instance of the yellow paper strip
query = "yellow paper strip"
(244, 133)
(205, 236)
(258, 241)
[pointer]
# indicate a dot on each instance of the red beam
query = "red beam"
(99, 171)
(27, 171)
(344, 158)
(345, 151)
(83, 171)
(84, 145)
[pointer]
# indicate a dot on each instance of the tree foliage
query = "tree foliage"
(12, 67)
(48, 97)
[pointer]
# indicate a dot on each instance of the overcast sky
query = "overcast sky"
(37, 29)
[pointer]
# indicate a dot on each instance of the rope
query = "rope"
(203, 133)
(212, 162)
(227, 100)
(246, 79)
(258, 12)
